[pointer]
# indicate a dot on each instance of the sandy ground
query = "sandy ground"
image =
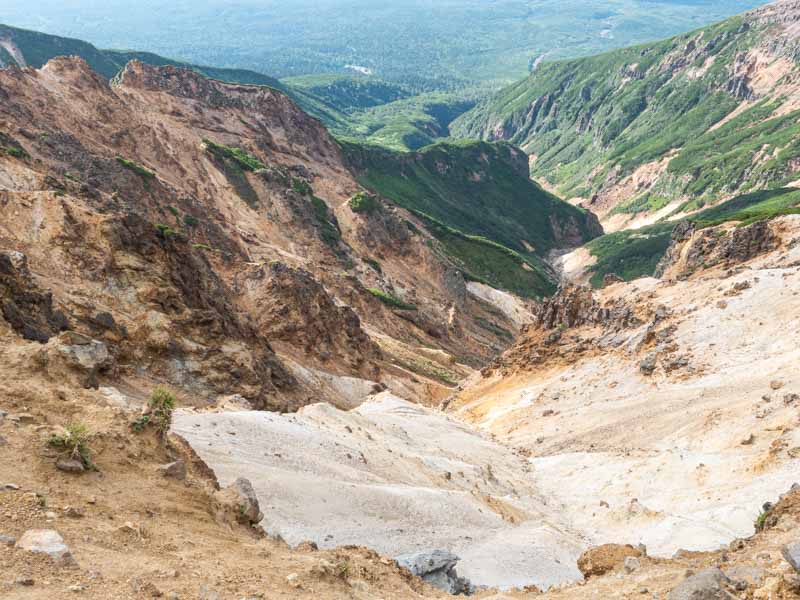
(601, 433)
(396, 477)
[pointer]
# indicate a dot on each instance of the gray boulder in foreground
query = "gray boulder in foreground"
(708, 584)
(438, 568)
(791, 552)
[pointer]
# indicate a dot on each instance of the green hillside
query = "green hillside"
(480, 203)
(634, 253)
(590, 122)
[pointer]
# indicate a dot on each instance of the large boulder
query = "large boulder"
(791, 552)
(239, 502)
(709, 584)
(76, 354)
(436, 567)
(602, 559)
(46, 541)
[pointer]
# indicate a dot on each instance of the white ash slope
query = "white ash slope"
(396, 477)
(682, 458)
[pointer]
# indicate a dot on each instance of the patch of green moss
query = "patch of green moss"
(363, 202)
(136, 168)
(390, 300)
(244, 160)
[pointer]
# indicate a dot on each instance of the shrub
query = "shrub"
(201, 247)
(175, 212)
(244, 160)
(301, 186)
(390, 300)
(159, 412)
(165, 230)
(363, 202)
(74, 443)
(328, 230)
(136, 168)
(190, 221)
(761, 520)
(14, 151)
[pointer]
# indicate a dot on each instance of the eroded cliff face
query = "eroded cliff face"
(202, 231)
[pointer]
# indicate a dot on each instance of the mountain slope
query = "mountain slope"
(662, 127)
(479, 201)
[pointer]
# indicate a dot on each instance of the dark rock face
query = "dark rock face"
(183, 286)
(714, 246)
(572, 306)
(27, 309)
(293, 306)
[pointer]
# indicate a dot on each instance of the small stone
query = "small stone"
(3, 441)
(26, 581)
(643, 590)
(776, 384)
(208, 594)
(631, 564)
(70, 465)
(50, 515)
(24, 419)
(9, 486)
(78, 587)
(7, 540)
(648, 364)
(722, 304)
(73, 512)
(174, 470)
(748, 440)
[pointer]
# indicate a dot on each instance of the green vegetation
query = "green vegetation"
(761, 520)
(13, 151)
(374, 264)
(159, 412)
(244, 160)
(143, 172)
(479, 203)
(635, 253)
(175, 212)
(349, 93)
(202, 247)
(390, 300)
(328, 229)
(190, 221)
(74, 444)
(630, 253)
(363, 202)
(644, 104)
(475, 187)
(165, 230)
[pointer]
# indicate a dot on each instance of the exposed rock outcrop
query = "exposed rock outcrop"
(693, 249)
(28, 309)
(292, 306)
(438, 568)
